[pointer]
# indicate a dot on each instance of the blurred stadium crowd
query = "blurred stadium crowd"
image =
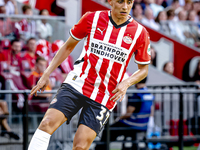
(26, 50)
(179, 19)
(24, 64)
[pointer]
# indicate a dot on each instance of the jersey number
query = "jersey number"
(102, 117)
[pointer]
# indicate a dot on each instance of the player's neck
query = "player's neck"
(117, 20)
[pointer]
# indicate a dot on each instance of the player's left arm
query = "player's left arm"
(142, 58)
(122, 87)
(60, 56)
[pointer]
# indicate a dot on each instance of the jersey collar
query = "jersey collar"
(121, 25)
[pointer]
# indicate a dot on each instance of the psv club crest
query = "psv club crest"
(127, 39)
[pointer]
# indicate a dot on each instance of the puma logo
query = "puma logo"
(100, 30)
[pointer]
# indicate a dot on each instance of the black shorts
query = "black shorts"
(69, 101)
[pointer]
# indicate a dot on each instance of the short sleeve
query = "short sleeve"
(79, 30)
(143, 51)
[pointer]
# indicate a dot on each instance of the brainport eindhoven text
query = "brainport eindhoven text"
(109, 51)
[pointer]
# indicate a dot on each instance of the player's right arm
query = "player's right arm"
(60, 56)
(78, 32)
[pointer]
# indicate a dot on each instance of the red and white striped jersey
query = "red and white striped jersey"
(107, 50)
(27, 28)
(43, 48)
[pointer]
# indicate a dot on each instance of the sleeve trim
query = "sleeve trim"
(143, 63)
(74, 36)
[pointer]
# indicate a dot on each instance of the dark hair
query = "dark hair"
(134, 5)
(170, 12)
(164, 66)
(175, 1)
(26, 7)
(40, 58)
(13, 41)
(157, 17)
(41, 11)
(153, 61)
(143, 81)
(32, 38)
(196, 74)
(198, 13)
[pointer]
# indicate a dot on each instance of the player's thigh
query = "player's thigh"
(52, 119)
(84, 137)
(94, 115)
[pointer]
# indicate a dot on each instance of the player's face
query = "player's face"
(120, 10)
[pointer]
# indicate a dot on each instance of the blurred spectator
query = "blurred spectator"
(194, 35)
(162, 16)
(192, 16)
(6, 25)
(148, 20)
(145, 4)
(170, 14)
(139, 110)
(175, 6)
(153, 56)
(2, 9)
(182, 15)
(43, 49)
(197, 43)
(44, 29)
(137, 12)
(5, 129)
(161, 21)
(67, 65)
(29, 55)
(40, 66)
(10, 5)
(196, 8)
(137, 1)
(157, 7)
(171, 23)
(12, 56)
(188, 5)
(169, 68)
(4, 45)
(196, 77)
(26, 27)
(12, 59)
(182, 27)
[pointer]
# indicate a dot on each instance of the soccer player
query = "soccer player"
(95, 84)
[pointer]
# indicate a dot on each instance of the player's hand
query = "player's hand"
(41, 85)
(120, 91)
